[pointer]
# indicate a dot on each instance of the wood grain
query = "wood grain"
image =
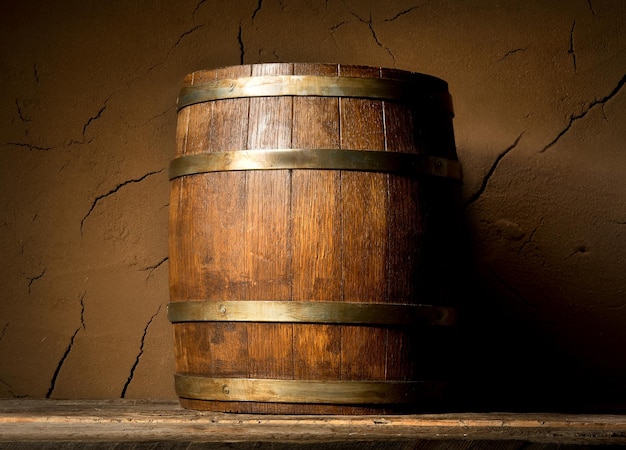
(212, 223)
(268, 237)
(29, 423)
(364, 234)
(317, 253)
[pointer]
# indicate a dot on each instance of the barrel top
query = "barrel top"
(427, 81)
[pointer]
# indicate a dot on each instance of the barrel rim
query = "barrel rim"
(346, 392)
(382, 69)
(383, 89)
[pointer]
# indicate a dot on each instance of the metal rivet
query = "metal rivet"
(222, 309)
(225, 389)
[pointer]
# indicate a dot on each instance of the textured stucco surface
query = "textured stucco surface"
(88, 119)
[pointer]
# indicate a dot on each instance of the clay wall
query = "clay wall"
(88, 120)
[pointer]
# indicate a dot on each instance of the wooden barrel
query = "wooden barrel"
(308, 255)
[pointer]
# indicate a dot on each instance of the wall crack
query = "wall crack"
(242, 52)
(258, 8)
(491, 171)
(401, 13)
(169, 51)
(111, 192)
(69, 347)
(193, 14)
(593, 13)
(35, 278)
(530, 238)
(575, 117)
(82, 310)
(9, 389)
(380, 44)
(158, 116)
(96, 117)
(336, 27)
(60, 364)
(4, 330)
(20, 112)
(512, 52)
(141, 347)
(181, 37)
(370, 25)
(571, 50)
(31, 147)
(151, 269)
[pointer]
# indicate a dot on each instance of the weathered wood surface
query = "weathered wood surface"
(145, 424)
(307, 235)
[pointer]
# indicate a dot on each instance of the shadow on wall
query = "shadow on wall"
(515, 358)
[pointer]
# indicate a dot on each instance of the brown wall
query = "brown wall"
(88, 114)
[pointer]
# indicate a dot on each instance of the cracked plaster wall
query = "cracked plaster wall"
(88, 92)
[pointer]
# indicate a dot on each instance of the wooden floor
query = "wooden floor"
(128, 424)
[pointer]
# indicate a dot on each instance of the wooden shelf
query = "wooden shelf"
(135, 424)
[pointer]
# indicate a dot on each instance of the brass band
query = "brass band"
(304, 391)
(331, 159)
(393, 315)
(312, 85)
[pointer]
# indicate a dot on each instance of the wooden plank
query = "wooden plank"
(224, 244)
(110, 421)
(364, 234)
(316, 219)
(209, 233)
(268, 256)
(404, 280)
